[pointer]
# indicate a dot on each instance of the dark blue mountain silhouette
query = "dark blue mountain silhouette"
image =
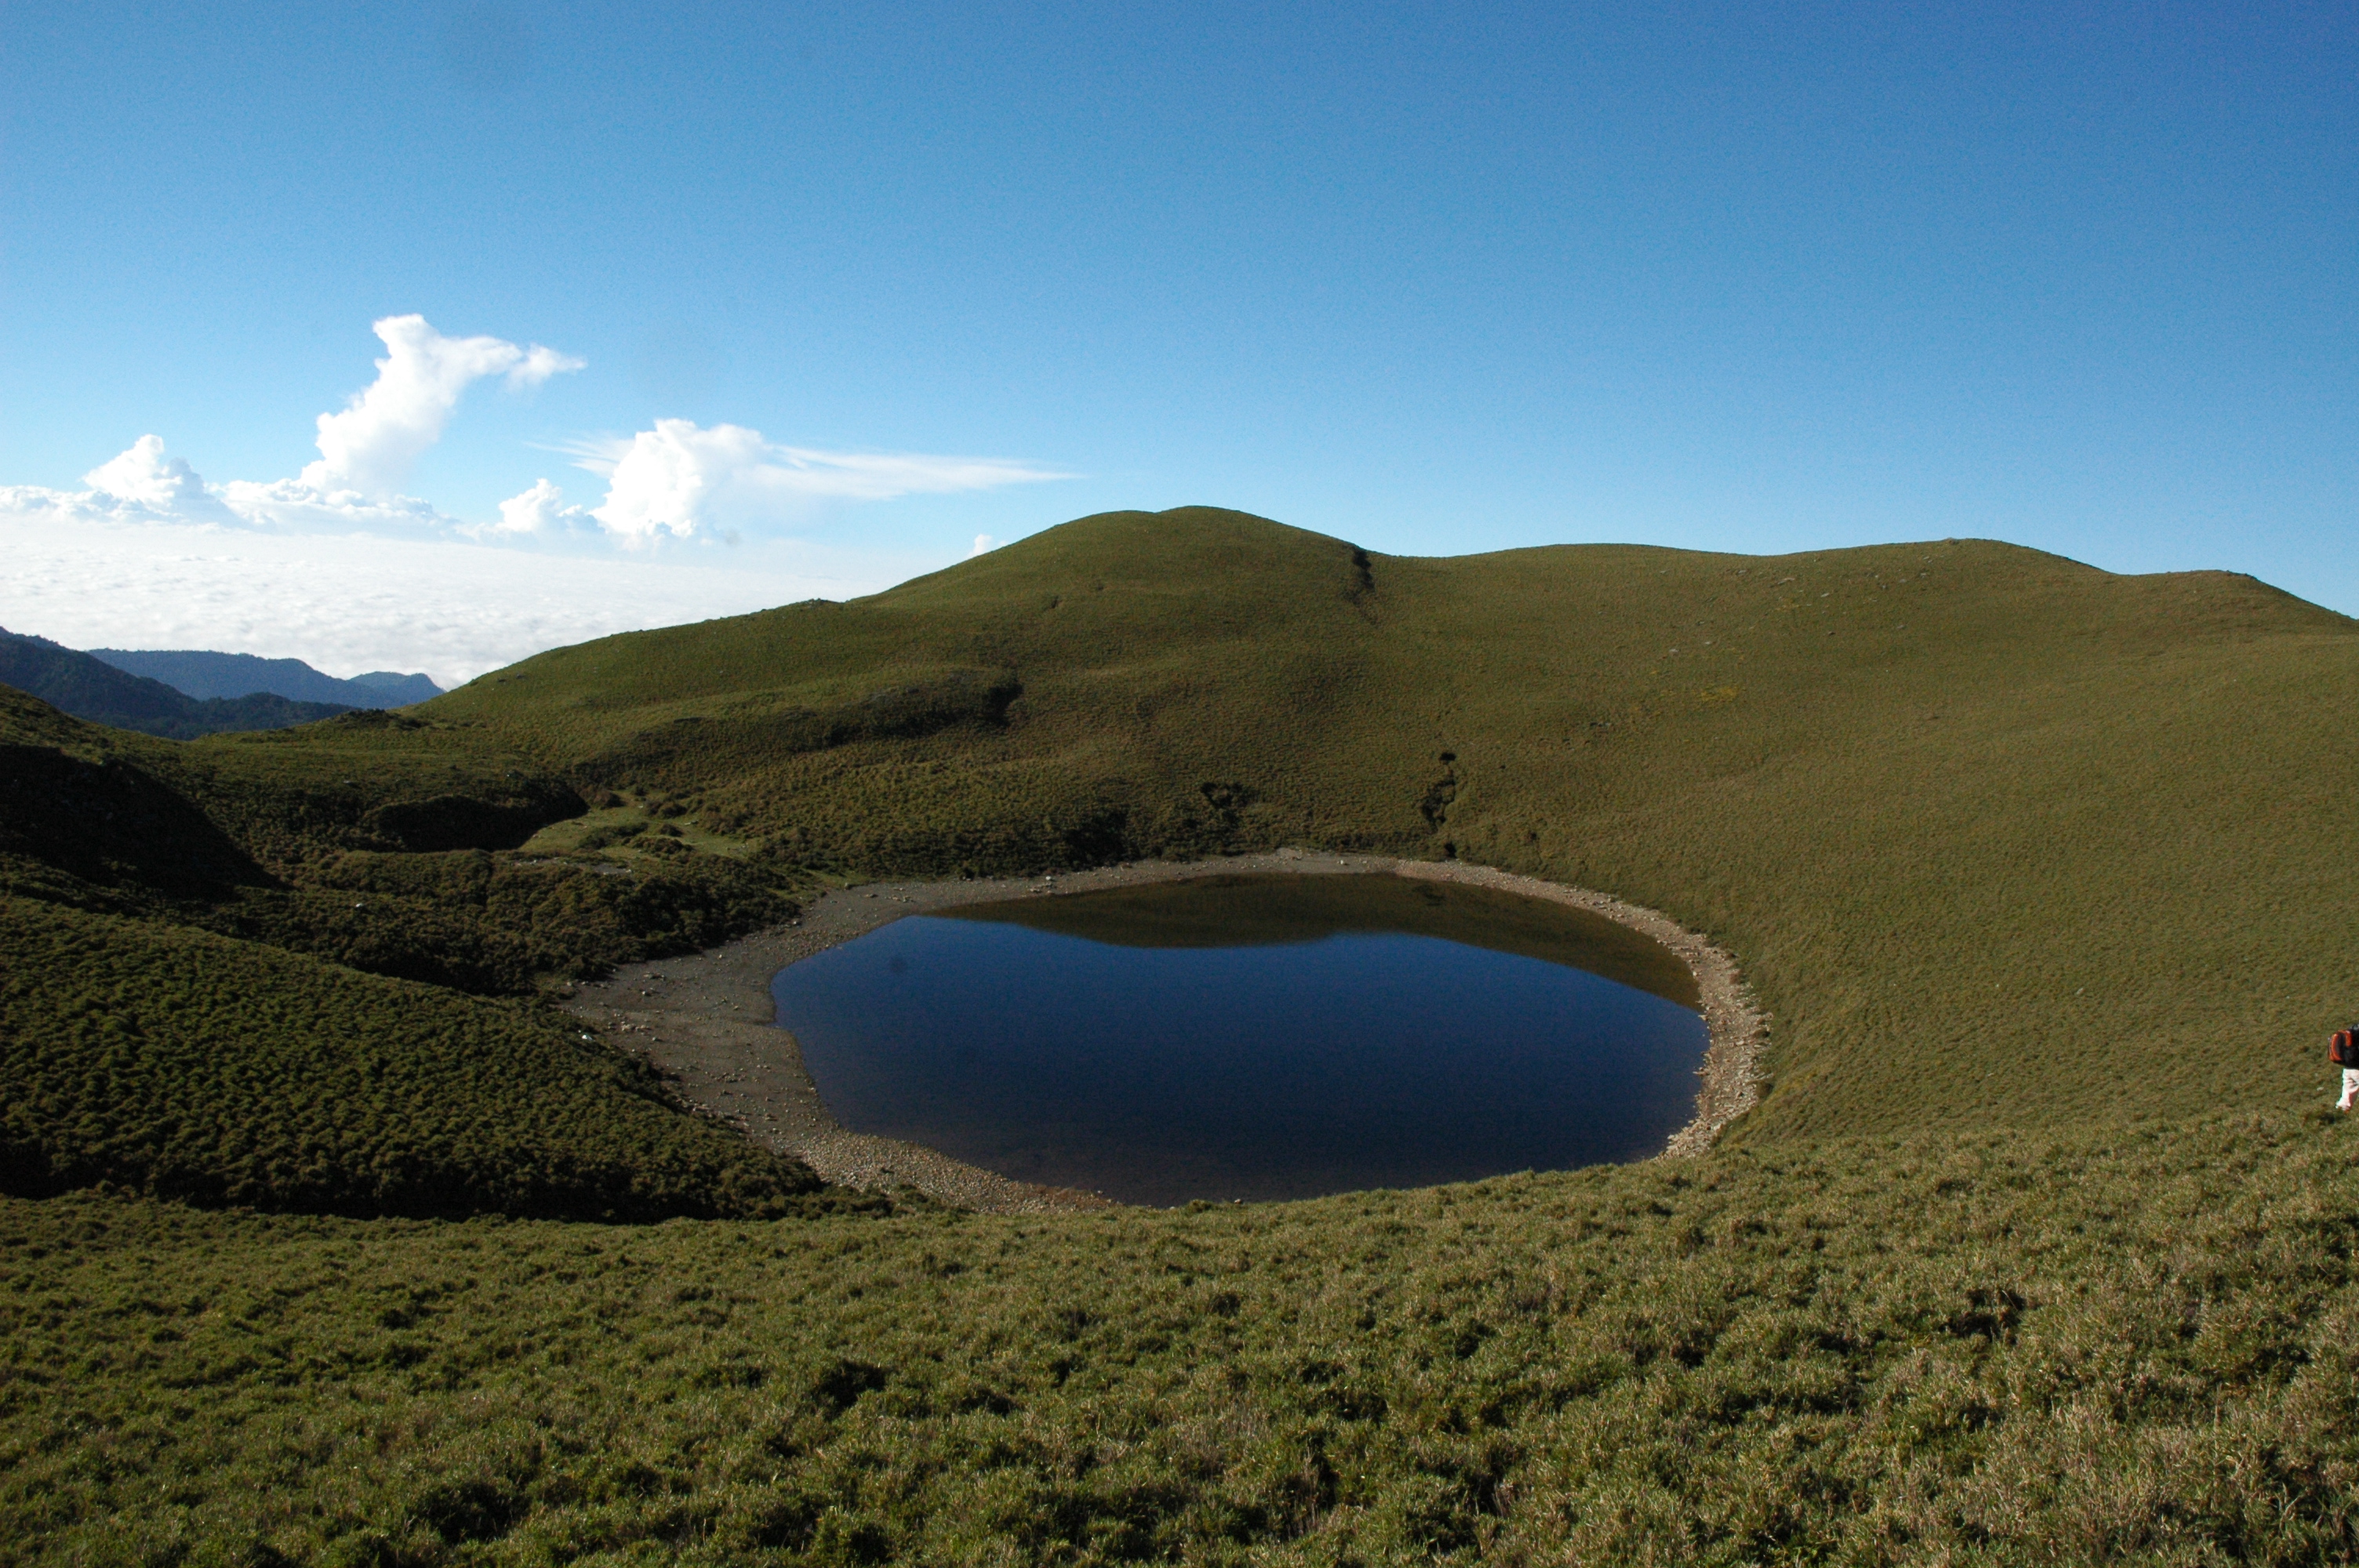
(207, 675)
(94, 689)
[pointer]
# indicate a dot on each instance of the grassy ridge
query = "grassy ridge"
(176, 1064)
(1987, 829)
(1135, 656)
(190, 819)
(2140, 1345)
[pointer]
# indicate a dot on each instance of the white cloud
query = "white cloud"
(337, 565)
(139, 484)
(142, 484)
(361, 602)
(679, 479)
(983, 544)
(366, 451)
(370, 445)
(540, 510)
(145, 475)
(292, 505)
(675, 480)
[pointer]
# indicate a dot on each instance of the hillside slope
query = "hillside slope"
(182, 1064)
(185, 1010)
(2001, 838)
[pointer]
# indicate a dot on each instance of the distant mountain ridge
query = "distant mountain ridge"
(94, 689)
(204, 674)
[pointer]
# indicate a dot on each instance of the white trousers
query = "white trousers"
(2350, 1087)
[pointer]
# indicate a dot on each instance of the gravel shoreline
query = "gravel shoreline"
(707, 1019)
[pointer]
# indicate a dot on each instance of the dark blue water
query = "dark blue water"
(1317, 1058)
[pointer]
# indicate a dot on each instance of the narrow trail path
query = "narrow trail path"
(707, 1019)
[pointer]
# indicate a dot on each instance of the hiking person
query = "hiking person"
(2342, 1050)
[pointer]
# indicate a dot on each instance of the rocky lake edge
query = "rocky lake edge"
(707, 1020)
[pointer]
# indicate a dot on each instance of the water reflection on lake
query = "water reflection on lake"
(1254, 1036)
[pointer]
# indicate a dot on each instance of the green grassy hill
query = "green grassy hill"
(2030, 1254)
(2000, 839)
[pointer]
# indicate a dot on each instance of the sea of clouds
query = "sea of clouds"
(339, 565)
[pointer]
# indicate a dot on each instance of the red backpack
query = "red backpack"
(2342, 1050)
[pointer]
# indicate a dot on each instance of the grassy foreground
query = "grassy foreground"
(2140, 1346)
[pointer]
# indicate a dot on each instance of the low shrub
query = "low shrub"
(180, 1063)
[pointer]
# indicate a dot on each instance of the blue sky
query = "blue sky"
(1438, 279)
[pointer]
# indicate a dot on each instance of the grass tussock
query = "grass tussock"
(2133, 1346)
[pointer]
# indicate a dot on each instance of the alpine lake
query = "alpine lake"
(1250, 1038)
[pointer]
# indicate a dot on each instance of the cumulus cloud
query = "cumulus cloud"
(538, 512)
(370, 447)
(139, 483)
(143, 475)
(366, 451)
(678, 479)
